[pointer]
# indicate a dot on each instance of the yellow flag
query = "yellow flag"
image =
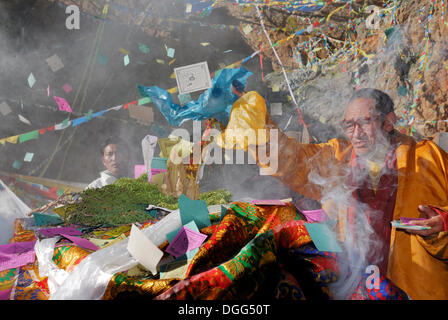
(12, 139)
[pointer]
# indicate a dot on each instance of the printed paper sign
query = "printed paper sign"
(193, 77)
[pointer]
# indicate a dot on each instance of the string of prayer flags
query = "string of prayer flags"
(13, 139)
(64, 124)
(62, 104)
(144, 101)
(78, 121)
(29, 136)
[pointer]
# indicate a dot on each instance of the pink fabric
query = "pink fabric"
(4, 294)
(315, 215)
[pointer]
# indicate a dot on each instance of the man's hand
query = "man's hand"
(434, 221)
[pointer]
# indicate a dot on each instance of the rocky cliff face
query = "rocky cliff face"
(406, 55)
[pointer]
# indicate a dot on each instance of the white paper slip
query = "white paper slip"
(143, 250)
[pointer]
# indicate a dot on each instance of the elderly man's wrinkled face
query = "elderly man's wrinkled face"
(363, 125)
(114, 159)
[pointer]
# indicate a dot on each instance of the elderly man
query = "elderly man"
(115, 157)
(382, 175)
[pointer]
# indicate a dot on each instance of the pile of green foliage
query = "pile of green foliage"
(125, 201)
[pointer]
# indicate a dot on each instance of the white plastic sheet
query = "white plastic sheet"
(89, 279)
(11, 208)
(44, 250)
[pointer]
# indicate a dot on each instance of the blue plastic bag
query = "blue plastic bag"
(215, 102)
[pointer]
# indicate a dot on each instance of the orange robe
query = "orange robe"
(418, 265)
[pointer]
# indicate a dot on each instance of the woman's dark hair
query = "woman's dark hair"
(383, 103)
